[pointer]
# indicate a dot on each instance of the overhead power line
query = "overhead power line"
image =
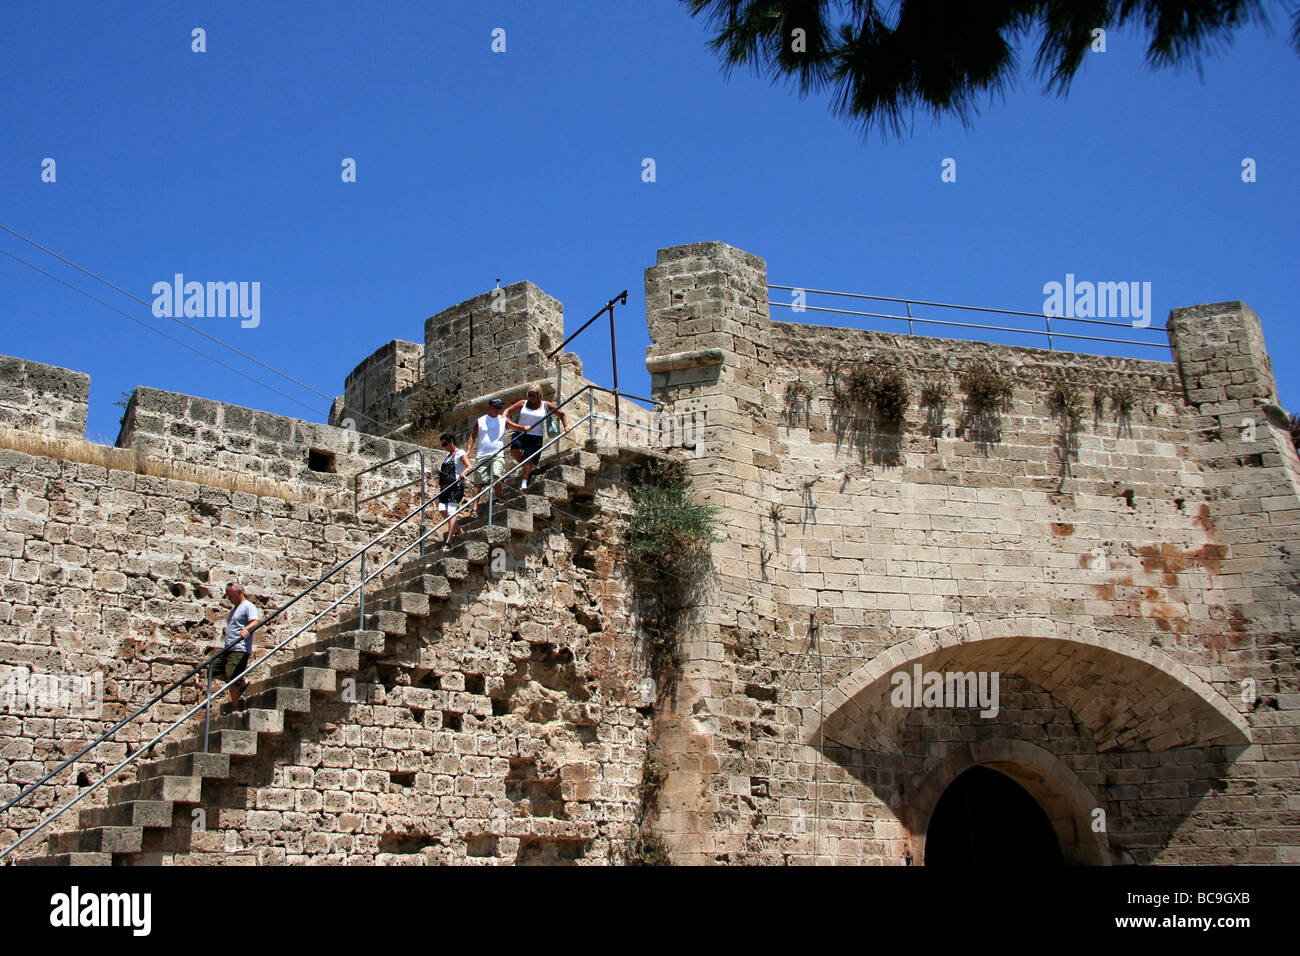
(152, 328)
(192, 328)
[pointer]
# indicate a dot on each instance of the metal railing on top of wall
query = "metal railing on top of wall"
(912, 319)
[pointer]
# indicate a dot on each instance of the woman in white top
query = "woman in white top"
(531, 411)
(451, 481)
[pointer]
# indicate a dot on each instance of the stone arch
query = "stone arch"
(1126, 694)
(1067, 800)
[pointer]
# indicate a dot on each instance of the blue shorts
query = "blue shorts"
(528, 444)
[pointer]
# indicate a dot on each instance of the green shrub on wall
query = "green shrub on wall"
(665, 522)
(667, 538)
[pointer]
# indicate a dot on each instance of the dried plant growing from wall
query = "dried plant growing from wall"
(646, 847)
(987, 393)
(798, 404)
(879, 387)
(429, 409)
(936, 390)
(987, 390)
(1122, 401)
(1066, 402)
(871, 401)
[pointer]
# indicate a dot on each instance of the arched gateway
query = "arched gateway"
(968, 787)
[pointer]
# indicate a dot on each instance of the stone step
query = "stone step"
(413, 603)
(537, 505)
(168, 788)
(412, 582)
(135, 813)
(282, 699)
(362, 641)
(256, 719)
(388, 622)
(574, 476)
(180, 839)
(505, 522)
(552, 490)
(430, 586)
(309, 678)
(438, 566)
(581, 457)
(313, 655)
(588, 461)
(186, 765)
(532, 501)
(69, 859)
(475, 552)
(236, 743)
(97, 840)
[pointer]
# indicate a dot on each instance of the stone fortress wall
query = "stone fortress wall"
(113, 560)
(43, 399)
(495, 344)
(1135, 585)
(1132, 582)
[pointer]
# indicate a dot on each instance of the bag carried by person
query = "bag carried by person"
(447, 473)
(552, 425)
(452, 489)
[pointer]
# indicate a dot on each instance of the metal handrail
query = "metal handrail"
(1049, 332)
(356, 479)
(357, 500)
(613, 346)
(360, 587)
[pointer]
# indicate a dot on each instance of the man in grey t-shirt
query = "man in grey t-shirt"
(241, 623)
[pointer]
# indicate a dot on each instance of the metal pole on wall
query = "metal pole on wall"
(613, 353)
(361, 624)
(422, 509)
(207, 710)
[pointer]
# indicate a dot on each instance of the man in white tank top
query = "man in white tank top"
(488, 439)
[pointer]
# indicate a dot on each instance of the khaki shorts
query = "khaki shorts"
(228, 664)
(485, 471)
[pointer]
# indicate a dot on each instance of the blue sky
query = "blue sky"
(474, 165)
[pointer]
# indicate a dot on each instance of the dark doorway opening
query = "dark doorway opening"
(985, 818)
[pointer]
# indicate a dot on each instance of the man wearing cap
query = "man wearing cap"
(489, 437)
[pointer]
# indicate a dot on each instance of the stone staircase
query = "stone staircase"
(151, 817)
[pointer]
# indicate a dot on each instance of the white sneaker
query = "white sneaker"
(523, 485)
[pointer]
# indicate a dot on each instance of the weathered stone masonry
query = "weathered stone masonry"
(1124, 598)
(113, 560)
(1133, 582)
